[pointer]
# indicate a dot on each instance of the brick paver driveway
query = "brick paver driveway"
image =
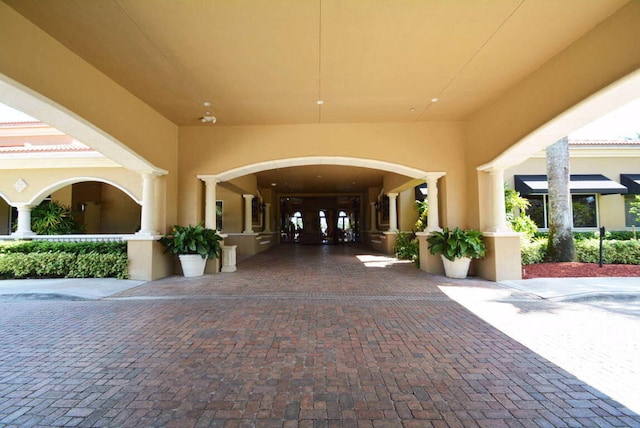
(300, 336)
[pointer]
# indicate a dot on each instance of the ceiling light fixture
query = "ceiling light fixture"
(434, 100)
(208, 119)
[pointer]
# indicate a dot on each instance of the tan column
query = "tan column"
(393, 212)
(498, 210)
(267, 217)
(373, 227)
(210, 218)
(24, 222)
(247, 213)
(148, 215)
(433, 219)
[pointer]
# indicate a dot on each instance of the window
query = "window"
(585, 213)
(632, 217)
(583, 207)
(343, 221)
(538, 210)
(323, 223)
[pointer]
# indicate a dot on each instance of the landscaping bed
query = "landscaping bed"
(578, 270)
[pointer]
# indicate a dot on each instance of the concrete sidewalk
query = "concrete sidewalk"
(64, 288)
(553, 289)
(576, 289)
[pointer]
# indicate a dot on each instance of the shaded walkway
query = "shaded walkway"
(298, 337)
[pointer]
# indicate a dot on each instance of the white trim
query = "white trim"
(16, 95)
(319, 160)
(67, 181)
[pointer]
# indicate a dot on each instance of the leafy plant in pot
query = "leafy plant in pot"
(193, 245)
(457, 247)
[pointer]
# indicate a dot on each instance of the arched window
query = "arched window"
(324, 226)
(344, 222)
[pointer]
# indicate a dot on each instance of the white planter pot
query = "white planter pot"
(192, 264)
(457, 268)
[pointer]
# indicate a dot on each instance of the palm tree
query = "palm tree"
(560, 247)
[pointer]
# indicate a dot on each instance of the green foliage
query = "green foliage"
(618, 235)
(407, 247)
(533, 251)
(53, 218)
(81, 247)
(93, 265)
(520, 222)
(193, 240)
(587, 251)
(457, 243)
(634, 207)
(423, 210)
(60, 265)
(613, 252)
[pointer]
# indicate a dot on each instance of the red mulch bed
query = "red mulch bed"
(573, 269)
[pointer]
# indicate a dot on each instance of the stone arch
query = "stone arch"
(608, 99)
(322, 160)
(68, 181)
(46, 110)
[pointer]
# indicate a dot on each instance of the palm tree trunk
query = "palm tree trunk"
(560, 247)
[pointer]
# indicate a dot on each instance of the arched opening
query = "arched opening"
(96, 207)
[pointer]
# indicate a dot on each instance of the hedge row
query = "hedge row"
(615, 235)
(587, 251)
(82, 247)
(63, 264)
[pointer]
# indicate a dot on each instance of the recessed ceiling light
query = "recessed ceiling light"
(320, 102)
(206, 104)
(412, 109)
(273, 184)
(434, 100)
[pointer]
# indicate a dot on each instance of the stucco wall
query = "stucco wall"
(430, 146)
(62, 79)
(43, 182)
(600, 58)
(611, 207)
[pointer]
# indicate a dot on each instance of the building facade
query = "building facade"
(305, 93)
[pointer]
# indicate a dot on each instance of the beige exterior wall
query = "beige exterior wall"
(610, 163)
(600, 58)
(133, 134)
(43, 182)
(415, 145)
(135, 129)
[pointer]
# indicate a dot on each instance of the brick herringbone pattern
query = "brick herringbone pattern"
(293, 339)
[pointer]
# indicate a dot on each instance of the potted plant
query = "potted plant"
(457, 247)
(193, 245)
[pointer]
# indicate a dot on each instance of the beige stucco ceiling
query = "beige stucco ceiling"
(268, 62)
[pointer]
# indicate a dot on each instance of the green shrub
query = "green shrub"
(613, 252)
(59, 265)
(81, 247)
(94, 265)
(54, 218)
(533, 251)
(587, 251)
(407, 247)
(36, 265)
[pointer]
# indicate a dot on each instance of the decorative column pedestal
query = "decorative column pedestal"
(229, 258)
